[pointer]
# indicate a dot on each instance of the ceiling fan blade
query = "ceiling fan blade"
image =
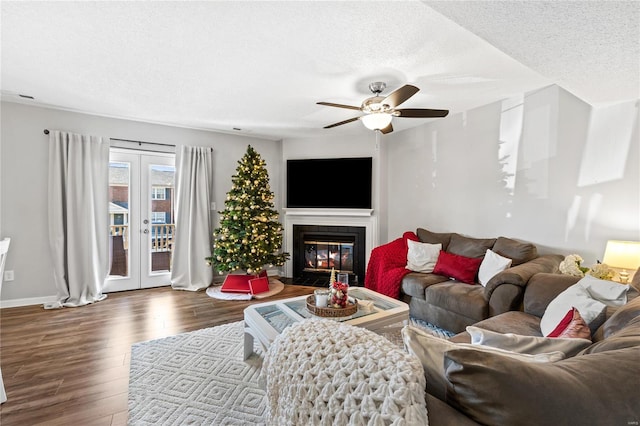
(338, 105)
(400, 95)
(422, 113)
(341, 123)
(387, 129)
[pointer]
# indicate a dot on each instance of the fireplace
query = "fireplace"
(318, 249)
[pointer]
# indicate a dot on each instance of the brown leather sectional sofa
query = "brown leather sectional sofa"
(597, 386)
(453, 305)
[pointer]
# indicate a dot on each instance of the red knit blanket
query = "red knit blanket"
(387, 266)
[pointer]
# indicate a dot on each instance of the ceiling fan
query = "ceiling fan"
(380, 110)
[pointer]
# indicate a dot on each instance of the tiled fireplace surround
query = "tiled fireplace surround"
(329, 217)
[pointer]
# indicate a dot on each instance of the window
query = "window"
(158, 193)
(158, 217)
(118, 219)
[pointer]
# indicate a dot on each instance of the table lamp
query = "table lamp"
(622, 255)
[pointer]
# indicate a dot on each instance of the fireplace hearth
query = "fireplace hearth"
(319, 249)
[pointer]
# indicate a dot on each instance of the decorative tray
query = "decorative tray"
(350, 309)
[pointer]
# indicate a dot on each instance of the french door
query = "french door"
(142, 219)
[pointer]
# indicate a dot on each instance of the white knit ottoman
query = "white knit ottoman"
(322, 372)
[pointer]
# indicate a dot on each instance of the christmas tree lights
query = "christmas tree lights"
(249, 235)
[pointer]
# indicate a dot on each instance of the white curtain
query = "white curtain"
(4, 250)
(78, 217)
(193, 239)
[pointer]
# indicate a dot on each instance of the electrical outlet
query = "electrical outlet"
(8, 276)
(213, 205)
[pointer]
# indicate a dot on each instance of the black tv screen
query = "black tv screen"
(342, 183)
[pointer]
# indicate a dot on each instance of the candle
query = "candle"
(322, 298)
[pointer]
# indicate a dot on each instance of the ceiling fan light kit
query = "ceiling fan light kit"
(376, 121)
(379, 111)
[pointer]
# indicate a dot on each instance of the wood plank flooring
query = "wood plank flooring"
(71, 366)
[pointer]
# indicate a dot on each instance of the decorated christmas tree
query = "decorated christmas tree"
(250, 235)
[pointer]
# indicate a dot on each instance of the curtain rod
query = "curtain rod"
(46, 132)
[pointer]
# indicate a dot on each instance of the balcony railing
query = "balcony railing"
(161, 236)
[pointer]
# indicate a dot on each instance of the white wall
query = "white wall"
(335, 145)
(574, 173)
(545, 167)
(24, 169)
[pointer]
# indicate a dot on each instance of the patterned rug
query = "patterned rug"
(196, 378)
(199, 378)
(435, 330)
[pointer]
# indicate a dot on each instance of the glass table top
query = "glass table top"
(279, 319)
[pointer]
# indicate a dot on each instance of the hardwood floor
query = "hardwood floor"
(71, 366)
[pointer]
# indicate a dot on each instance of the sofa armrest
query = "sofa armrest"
(506, 297)
(519, 275)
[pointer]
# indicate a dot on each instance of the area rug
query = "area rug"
(199, 378)
(433, 329)
(196, 378)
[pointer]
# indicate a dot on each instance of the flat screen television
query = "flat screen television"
(333, 183)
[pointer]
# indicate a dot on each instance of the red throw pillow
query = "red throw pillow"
(459, 267)
(572, 325)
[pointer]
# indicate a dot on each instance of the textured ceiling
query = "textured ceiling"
(261, 66)
(590, 48)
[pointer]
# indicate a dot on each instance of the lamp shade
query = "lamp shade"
(622, 254)
(376, 120)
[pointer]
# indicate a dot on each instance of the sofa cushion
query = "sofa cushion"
(527, 344)
(508, 322)
(414, 283)
(430, 350)
(519, 252)
(469, 247)
(427, 236)
(587, 389)
(422, 257)
(542, 288)
(628, 336)
(443, 414)
(621, 318)
(458, 267)
(464, 299)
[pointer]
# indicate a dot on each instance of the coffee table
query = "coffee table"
(265, 321)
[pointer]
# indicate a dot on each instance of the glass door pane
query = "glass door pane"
(163, 226)
(158, 225)
(119, 182)
(124, 216)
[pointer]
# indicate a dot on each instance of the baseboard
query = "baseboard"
(14, 303)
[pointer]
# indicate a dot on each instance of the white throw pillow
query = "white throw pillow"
(610, 293)
(491, 265)
(422, 257)
(590, 296)
(531, 345)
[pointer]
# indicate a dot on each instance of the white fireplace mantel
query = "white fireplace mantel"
(329, 217)
(329, 212)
